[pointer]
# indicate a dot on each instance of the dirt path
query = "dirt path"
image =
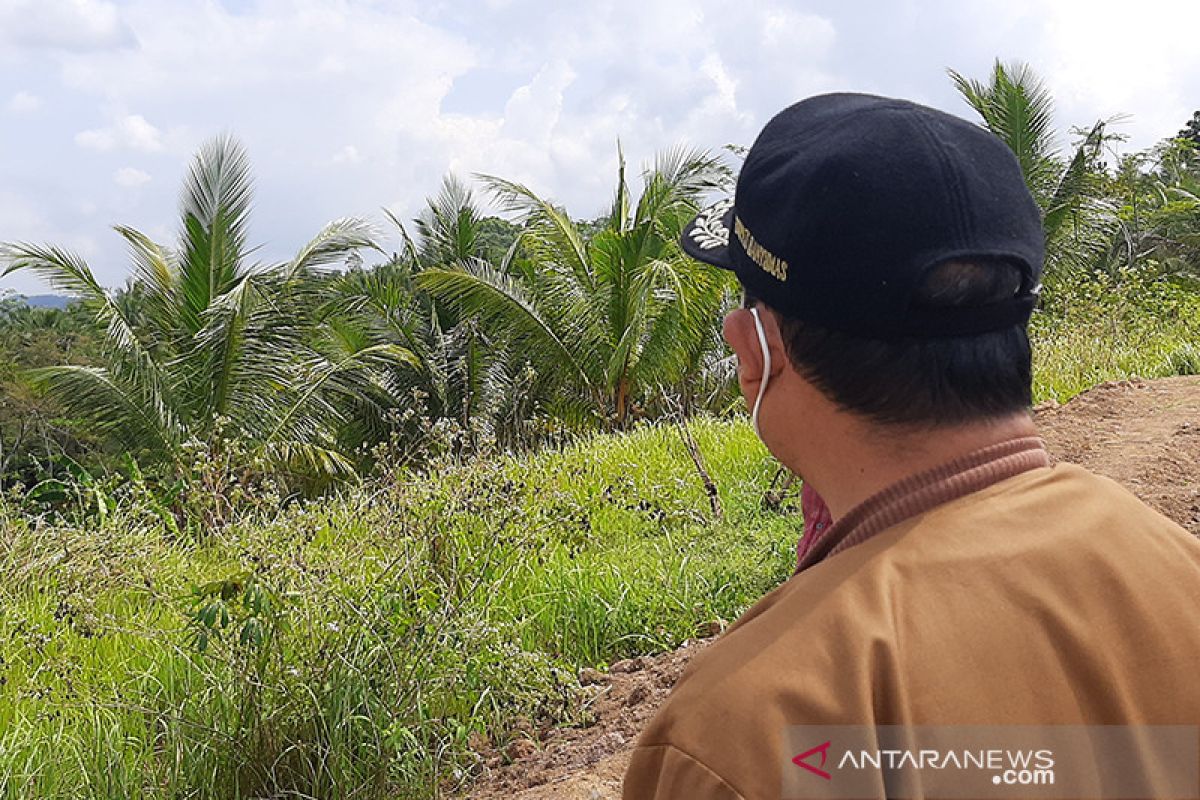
(1144, 434)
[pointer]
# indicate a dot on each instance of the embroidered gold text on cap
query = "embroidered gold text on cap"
(770, 262)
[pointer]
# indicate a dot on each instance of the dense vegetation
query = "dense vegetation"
(328, 528)
(353, 646)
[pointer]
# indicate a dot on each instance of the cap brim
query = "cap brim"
(706, 238)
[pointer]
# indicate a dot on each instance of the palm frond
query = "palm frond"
(674, 184)
(93, 395)
(690, 301)
(155, 271)
(214, 207)
(62, 269)
(618, 215)
(549, 233)
(273, 333)
(1078, 182)
(65, 271)
(303, 459)
(448, 228)
(335, 241)
(218, 345)
(218, 189)
(1017, 107)
(408, 246)
(497, 300)
(324, 371)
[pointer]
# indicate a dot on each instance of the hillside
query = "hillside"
(46, 300)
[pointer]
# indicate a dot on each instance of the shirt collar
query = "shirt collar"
(925, 490)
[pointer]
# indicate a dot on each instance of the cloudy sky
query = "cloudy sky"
(348, 106)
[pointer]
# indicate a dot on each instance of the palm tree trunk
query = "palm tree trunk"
(622, 401)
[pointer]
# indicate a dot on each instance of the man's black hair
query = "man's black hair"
(924, 382)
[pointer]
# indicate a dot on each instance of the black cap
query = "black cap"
(844, 202)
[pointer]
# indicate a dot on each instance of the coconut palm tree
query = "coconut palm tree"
(462, 372)
(603, 318)
(1160, 212)
(205, 344)
(1080, 220)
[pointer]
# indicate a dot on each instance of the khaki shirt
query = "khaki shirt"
(998, 590)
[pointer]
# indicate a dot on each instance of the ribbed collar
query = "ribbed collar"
(925, 490)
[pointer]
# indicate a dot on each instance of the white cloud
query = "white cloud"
(33, 219)
(130, 177)
(24, 103)
(99, 139)
(130, 132)
(76, 25)
(336, 83)
(1106, 61)
(620, 78)
(1096, 57)
(140, 134)
(347, 155)
(534, 109)
(536, 91)
(725, 97)
(807, 33)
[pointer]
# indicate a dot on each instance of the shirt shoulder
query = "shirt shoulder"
(661, 771)
(784, 663)
(917, 622)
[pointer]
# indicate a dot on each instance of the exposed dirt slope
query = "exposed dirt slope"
(1144, 434)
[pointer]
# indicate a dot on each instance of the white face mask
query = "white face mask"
(766, 371)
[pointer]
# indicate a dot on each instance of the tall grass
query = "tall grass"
(1104, 329)
(391, 625)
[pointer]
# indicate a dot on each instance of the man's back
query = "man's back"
(891, 256)
(1051, 597)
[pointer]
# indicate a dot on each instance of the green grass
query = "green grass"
(402, 618)
(1106, 331)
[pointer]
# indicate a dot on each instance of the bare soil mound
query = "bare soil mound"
(1145, 435)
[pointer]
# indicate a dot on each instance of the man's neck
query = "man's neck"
(869, 460)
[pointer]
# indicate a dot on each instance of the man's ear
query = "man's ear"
(739, 330)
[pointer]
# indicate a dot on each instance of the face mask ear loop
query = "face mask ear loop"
(766, 373)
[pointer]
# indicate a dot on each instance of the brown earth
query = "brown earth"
(1144, 434)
